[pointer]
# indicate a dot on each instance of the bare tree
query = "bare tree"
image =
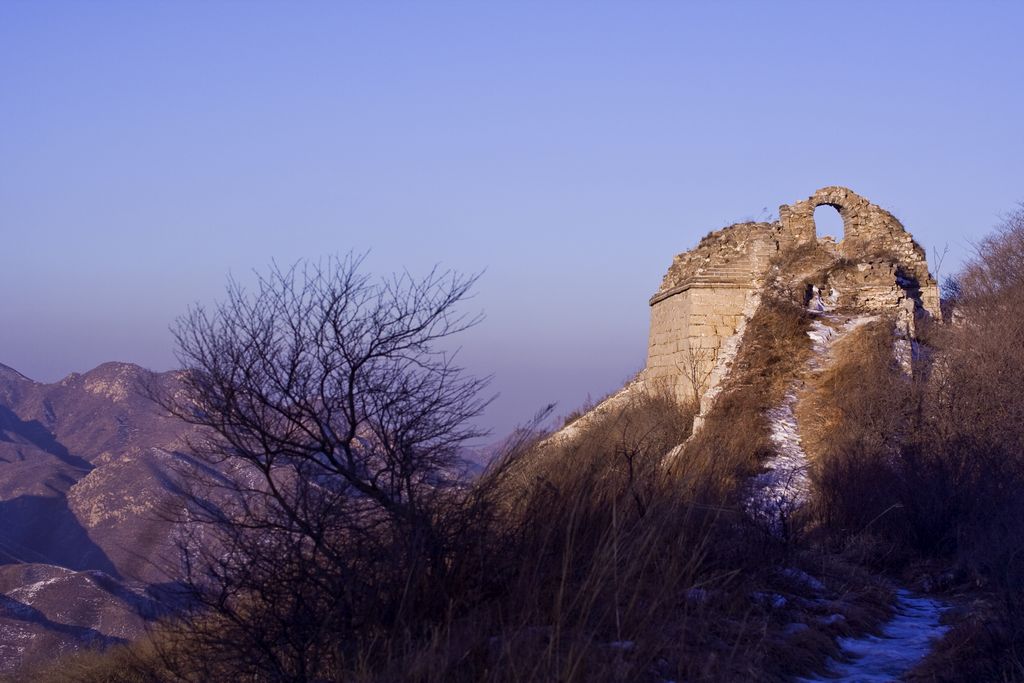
(697, 364)
(333, 417)
(937, 260)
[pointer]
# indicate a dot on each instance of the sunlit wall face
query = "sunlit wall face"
(146, 150)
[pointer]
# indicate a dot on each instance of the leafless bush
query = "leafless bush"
(975, 409)
(334, 421)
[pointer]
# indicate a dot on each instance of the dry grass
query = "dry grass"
(622, 548)
(135, 663)
(853, 417)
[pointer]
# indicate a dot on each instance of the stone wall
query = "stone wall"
(688, 332)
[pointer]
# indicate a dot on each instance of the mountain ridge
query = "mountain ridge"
(87, 464)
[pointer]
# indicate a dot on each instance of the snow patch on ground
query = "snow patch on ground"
(783, 486)
(27, 593)
(904, 641)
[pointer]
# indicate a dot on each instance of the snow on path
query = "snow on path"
(905, 640)
(783, 486)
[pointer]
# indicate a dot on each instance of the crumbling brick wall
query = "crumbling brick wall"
(870, 233)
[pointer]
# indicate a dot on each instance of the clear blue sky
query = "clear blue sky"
(571, 149)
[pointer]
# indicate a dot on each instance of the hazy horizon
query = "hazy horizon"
(569, 152)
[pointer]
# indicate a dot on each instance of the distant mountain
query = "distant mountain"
(87, 466)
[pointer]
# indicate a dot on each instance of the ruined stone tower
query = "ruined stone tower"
(700, 310)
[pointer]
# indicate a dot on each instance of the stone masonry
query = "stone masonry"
(708, 293)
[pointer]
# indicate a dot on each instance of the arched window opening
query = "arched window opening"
(828, 222)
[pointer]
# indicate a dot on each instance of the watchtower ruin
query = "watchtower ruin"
(700, 310)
